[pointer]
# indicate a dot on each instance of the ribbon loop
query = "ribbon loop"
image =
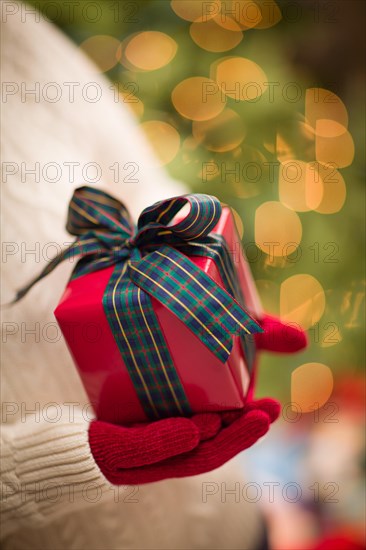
(93, 209)
(154, 223)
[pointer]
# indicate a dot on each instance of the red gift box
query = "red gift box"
(208, 383)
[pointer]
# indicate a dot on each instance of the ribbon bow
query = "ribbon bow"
(151, 260)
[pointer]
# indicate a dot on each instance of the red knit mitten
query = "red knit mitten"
(279, 337)
(177, 447)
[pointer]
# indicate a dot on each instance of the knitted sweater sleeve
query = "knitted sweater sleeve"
(47, 470)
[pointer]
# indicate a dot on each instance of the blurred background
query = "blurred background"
(261, 103)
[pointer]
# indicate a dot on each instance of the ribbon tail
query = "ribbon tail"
(49, 267)
(141, 343)
(86, 246)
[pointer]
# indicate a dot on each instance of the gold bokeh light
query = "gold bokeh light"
(334, 189)
(210, 36)
(278, 230)
(240, 78)
(311, 386)
(150, 50)
(333, 143)
(198, 98)
(302, 300)
(300, 185)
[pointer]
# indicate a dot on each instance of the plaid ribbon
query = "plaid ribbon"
(151, 260)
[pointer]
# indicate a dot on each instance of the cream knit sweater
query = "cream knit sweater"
(52, 493)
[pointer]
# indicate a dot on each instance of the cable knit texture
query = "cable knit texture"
(41, 463)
